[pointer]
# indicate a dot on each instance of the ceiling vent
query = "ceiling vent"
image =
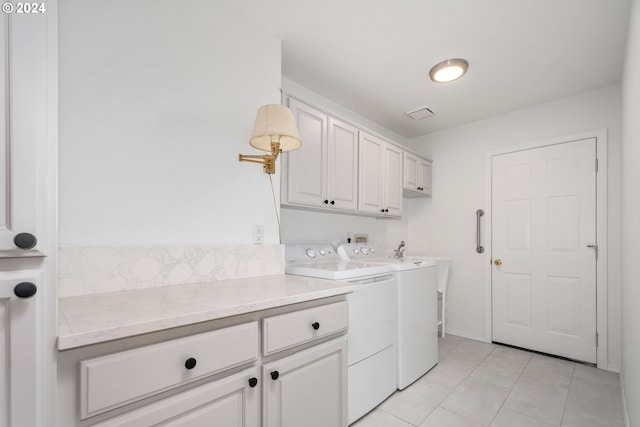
(420, 113)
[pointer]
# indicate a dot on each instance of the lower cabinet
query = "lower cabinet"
(308, 388)
(214, 374)
(229, 402)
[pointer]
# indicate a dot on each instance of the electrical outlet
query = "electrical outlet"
(258, 234)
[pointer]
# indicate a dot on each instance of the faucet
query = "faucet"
(399, 253)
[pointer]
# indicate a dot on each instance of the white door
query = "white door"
(544, 270)
(306, 167)
(18, 351)
(425, 176)
(370, 156)
(342, 164)
(308, 388)
(392, 184)
(22, 123)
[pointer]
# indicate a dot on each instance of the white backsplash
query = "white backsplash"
(90, 270)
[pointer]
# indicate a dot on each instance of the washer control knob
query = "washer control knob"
(311, 253)
(372, 251)
(364, 251)
(356, 251)
(322, 252)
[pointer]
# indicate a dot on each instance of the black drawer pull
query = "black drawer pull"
(25, 241)
(190, 363)
(25, 290)
(253, 382)
(275, 375)
(315, 325)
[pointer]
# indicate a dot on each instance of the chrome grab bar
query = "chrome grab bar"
(479, 247)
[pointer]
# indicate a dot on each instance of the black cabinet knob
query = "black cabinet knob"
(25, 240)
(326, 202)
(25, 290)
(253, 382)
(275, 375)
(190, 363)
(333, 202)
(315, 325)
(381, 210)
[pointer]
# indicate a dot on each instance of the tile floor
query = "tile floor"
(479, 384)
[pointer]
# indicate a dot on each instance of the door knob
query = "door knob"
(498, 262)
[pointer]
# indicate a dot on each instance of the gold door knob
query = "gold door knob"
(498, 261)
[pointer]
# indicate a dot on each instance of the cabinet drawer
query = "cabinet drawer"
(230, 401)
(289, 330)
(117, 379)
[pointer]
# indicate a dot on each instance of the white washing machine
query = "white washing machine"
(372, 321)
(417, 310)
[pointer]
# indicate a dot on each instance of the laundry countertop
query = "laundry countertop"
(96, 318)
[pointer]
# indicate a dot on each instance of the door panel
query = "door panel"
(306, 166)
(343, 165)
(543, 205)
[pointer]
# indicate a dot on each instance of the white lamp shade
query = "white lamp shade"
(275, 123)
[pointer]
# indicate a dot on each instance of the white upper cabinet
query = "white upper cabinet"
(323, 172)
(417, 176)
(23, 126)
(380, 177)
(392, 180)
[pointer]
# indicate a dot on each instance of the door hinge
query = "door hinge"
(596, 339)
(596, 165)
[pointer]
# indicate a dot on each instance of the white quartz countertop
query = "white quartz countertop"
(91, 319)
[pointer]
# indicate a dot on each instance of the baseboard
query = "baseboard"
(624, 403)
(464, 334)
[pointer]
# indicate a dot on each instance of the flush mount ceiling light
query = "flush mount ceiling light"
(449, 70)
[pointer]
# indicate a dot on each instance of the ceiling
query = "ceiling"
(374, 56)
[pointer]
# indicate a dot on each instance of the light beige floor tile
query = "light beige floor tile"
(514, 354)
(595, 399)
(549, 369)
(450, 371)
(465, 389)
(502, 371)
(409, 405)
(443, 418)
(379, 418)
(473, 351)
(417, 401)
(477, 399)
(509, 418)
(539, 398)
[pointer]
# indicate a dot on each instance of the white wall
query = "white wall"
(445, 225)
(157, 99)
(630, 223)
(300, 226)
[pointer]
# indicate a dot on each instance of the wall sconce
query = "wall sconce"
(274, 131)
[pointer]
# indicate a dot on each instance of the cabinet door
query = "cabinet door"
(392, 180)
(18, 389)
(229, 402)
(411, 171)
(23, 126)
(309, 389)
(306, 167)
(370, 161)
(342, 172)
(425, 176)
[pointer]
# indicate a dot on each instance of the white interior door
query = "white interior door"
(544, 270)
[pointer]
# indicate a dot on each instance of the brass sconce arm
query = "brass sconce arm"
(268, 160)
